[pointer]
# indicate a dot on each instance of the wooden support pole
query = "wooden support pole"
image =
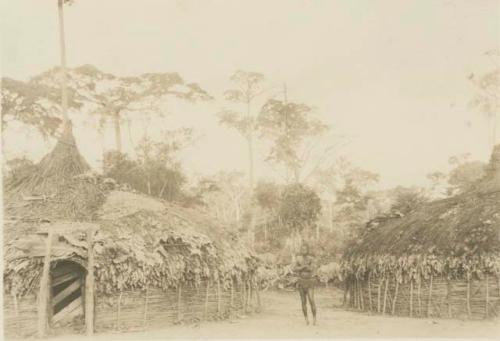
(218, 297)
(468, 296)
(244, 293)
(498, 285)
(358, 292)
(206, 299)
(385, 295)
(346, 291)
(378, 295)
(487, 303)
(118, 314)
(232, 294)
(429, 302)
(370, 292)
(395, 297)
(411, 297)
(355, 293)
(259, 303)
(89, 284)
(145, 317)
(361, 295)
(448, 297)
(350, 291)
(249, 298)
(179, 303)
(419, 295)
(16, 311)
(43, 295)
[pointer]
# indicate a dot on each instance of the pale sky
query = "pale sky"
(390, 75)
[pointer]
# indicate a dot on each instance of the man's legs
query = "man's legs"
(310, 295)
(303, 300)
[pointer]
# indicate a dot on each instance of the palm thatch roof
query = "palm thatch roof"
(461, 229)
(139, 241)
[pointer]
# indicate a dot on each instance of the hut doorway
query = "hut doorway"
(67, 294)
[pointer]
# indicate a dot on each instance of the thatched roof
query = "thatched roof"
(51, 192)
(462, 232)
(466, 223)
(139, 240)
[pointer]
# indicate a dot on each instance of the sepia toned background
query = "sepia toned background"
(389, 76)
(400, 182)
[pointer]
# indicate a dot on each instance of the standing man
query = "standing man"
(304, 268)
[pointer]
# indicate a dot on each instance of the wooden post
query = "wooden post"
(350, 286)
(448, 296)
(385, 294)
(395, 297)
(43, 295)
(16, 310)
(119, 311)
(498, 285)
(232, 294)
(361, 295)
(429, 302)
(411, 297)
(179, 302)
(378, 295)
(89, 284)
(419, 299)
(244, 293)
(249, 297)
(218, 297)
(355, 293)
(487, 303)
(145, 317)
(259, 303)
(370, 291)
(206, 299)
(468, 296)
(346, 291)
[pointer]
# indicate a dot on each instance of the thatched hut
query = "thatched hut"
(150, 262)
(440, 260)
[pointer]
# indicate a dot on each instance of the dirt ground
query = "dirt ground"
(282, 318)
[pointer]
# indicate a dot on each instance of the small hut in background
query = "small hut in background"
(118, 260)
(441, 260)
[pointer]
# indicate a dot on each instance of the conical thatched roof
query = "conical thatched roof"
(51, 192)
(466, 223)
(140, 241)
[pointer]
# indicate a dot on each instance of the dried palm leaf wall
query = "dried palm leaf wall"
(134, 310)
(439, 297)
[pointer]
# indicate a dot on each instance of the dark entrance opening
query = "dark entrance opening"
(67, 294)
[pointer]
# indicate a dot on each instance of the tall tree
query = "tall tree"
(62, 47)
(111, 97)
(247, 87)
(295, 135)
(156, 171)
(224, 195)
(300, 208)
(36, 105)
(487, 96)
(345, 190)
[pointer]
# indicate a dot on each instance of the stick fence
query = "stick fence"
(434, 297)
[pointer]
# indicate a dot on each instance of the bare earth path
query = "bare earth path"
(282, 318)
